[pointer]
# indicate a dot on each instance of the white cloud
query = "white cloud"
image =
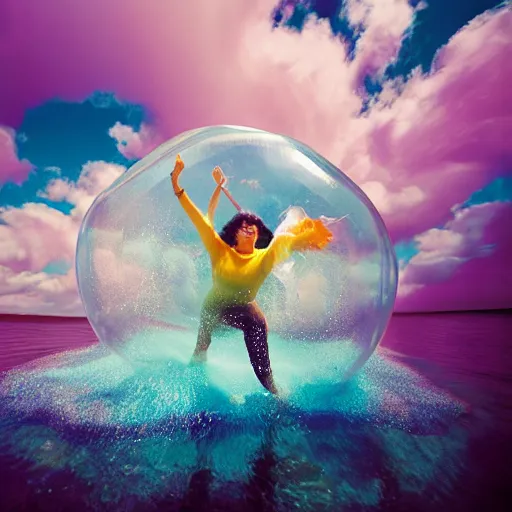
(35, 235)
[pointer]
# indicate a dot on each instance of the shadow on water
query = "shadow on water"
(330, 465)
(258, 493)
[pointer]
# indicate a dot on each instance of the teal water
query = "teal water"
(87, 430)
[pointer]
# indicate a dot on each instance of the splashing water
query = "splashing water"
(137, 430)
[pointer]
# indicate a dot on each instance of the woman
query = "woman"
(242, 256)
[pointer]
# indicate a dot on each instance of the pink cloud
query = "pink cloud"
(11, 168)
(423, 147)
(135, 145)
(35, 235)
(39, 293)
(442, 135)
(384, 22)
(190, 64)
(462, 266)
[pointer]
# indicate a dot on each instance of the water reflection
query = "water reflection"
(399, 442)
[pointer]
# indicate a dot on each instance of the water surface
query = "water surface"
(446, 446)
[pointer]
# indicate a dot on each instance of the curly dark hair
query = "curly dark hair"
(229, 231)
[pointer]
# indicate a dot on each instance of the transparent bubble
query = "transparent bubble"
(143, 272)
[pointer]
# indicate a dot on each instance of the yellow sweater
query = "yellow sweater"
(238, 277)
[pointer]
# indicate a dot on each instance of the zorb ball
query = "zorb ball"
(143, 272)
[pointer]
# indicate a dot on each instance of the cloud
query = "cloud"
(423, 146)
(39, 293)
(443, 133)
(135, 145)
(94, 178)
(191, 65)
(383, 24)
(463, 265)
(387, 202)
(11, 168)
(35, 235)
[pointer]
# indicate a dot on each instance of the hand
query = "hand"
(219, 176)
(178, 168)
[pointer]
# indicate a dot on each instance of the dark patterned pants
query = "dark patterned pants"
(250, 320)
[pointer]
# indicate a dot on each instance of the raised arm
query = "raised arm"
(214, 201)
(220, 179)
(307, 235)
(204, 227)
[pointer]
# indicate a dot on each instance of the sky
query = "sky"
(409, 99)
